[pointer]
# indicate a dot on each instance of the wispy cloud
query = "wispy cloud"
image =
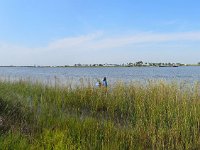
(99, 41)
(90, 46)
(71, 42)
(148, 38)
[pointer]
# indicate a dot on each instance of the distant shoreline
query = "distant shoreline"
(94, 66)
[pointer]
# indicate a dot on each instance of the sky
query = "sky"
(67, 32)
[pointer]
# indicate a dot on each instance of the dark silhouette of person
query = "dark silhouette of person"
(105, 84)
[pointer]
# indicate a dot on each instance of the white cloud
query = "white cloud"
(146, 38)
(100, 41)
(71, 50)
(72, 42)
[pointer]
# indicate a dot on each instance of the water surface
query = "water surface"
(126, 74)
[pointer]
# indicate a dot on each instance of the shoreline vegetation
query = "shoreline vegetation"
(158, 115)
(136, 64)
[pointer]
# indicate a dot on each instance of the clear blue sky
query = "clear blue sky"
(59, 32)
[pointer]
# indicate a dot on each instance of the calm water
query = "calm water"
(125, 74)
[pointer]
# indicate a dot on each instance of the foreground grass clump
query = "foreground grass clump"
(156, 115)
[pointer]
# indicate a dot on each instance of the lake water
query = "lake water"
(73, 75)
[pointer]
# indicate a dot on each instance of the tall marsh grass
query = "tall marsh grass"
(157, 115)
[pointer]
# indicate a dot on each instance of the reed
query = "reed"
(157, 115)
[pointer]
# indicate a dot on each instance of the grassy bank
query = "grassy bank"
(157, 115)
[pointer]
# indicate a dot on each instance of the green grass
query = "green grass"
(156, 115)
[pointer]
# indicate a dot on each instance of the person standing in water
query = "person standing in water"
(104, 83)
